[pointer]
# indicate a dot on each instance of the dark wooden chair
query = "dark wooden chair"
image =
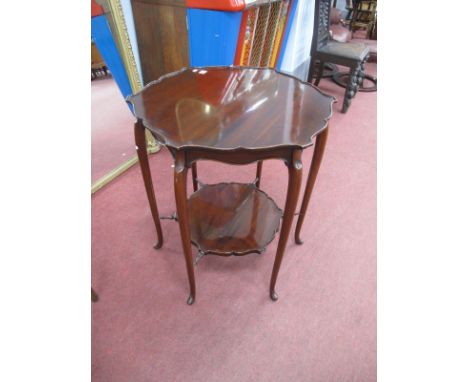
(325, 50)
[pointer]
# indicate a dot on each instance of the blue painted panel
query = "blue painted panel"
(212, 36)
(102, 37)
(286, 33)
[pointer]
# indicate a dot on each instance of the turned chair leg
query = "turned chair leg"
(319, 74)
(351, 88)
(361, 73)
(360, 77)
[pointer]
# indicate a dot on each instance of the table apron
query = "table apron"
(240, 156)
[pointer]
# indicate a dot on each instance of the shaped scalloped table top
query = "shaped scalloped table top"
(229, 108)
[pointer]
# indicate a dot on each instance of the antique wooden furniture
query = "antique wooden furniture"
(325, 50)
(364, 17)
(178, 33)
(161, 29)
(234, 115)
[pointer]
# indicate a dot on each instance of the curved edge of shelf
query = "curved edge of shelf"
(259, 250)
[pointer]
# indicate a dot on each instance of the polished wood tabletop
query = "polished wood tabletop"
(235, 115)
(232, 107)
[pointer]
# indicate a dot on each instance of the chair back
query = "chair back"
(321, 24)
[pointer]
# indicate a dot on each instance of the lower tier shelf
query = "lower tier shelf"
(232, 219)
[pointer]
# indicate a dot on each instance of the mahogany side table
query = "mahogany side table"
(235, 115)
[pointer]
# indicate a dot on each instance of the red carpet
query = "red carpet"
(111, 132)
(322, 328)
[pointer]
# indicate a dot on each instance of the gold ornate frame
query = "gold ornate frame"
(125, 46)
(116, 19)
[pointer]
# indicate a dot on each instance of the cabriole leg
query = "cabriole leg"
(180, 189)
(259, 173)
(320, 143)
(140, 142)
(294, 186)
(194, 176)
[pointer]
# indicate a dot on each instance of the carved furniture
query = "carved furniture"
(234, 115)
(325, 50)
(364, 17)
(339, 31)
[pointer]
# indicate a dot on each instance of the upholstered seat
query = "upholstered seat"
(372, 44)
(353, 51)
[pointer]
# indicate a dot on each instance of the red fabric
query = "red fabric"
(322, 328)
(340, 33)
(335, 16)
(219, 5)
(96, 9)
